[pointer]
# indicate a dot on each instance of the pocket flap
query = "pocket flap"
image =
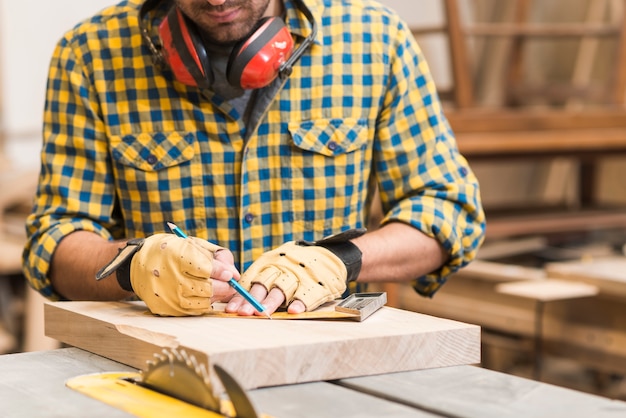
(329, 137)
(153, 151)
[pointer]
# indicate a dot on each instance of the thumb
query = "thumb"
(194, 261)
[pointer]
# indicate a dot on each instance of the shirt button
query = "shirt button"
(332, 145)
(249, 217)
(152, 159)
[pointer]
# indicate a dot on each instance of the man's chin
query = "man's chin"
(223, 39)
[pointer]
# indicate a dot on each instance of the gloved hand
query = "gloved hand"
(313, 273)
(170, 274)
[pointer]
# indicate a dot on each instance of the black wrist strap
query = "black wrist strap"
(120, 264)
(123, 275)
(345, 250)
(349, 254)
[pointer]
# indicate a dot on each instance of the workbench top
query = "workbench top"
(33, 385)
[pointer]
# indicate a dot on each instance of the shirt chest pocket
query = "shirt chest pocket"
(330, 137)
(154, 178)
(151, 152)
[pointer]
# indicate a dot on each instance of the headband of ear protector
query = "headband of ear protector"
(253, 63)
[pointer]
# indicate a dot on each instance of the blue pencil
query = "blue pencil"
(234, 283)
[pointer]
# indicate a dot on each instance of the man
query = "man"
(165, 113)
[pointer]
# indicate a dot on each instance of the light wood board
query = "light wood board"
(548, 290)
(460, 391)
(267, 352)
(608, 274)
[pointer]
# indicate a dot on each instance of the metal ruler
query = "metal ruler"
(362, 305)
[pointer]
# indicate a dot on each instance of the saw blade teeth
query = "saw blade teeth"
(202, 371)
(177, 356)
(179, 374)
(183, 356)
(192, 362)
(158, 357)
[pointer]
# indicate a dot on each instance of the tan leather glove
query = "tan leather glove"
(170, 274)
(312, 272)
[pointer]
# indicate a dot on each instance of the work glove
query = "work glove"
(170, 274)
(312, 272)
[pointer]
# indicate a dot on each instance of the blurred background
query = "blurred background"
(534, 90)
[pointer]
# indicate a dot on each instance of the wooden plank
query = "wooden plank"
(493, 55)
(461, 66)
(18, 186)
(498, 272)
(567, 221)
(586, 340)
(539, 30)
(590, 330)
(503, 120)
(322, 399)
(33, 385)
(10, 254)
(476, 301)
(619, 72)
(608, 274)
(524, 143)
(497, 249)
(547, 290)
(472, 392)
(587, 52)
(260, 352)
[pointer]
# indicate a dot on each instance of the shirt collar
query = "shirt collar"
(297, 22)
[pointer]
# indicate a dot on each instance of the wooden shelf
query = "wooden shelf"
(503, 226)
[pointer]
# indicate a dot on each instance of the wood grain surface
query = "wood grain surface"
(608, 273)
(266, 353)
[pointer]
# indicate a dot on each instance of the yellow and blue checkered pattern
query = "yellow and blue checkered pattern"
(127, 148)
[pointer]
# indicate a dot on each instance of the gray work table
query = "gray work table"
(33, 385)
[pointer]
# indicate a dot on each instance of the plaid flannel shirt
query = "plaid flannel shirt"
(126, 148)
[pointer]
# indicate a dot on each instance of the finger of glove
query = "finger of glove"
(274, 257)
(312, 294)
(164, 309)
(164, 302)
(195, 260)
(311, 261)
(195, 287)
(273, 277)
(252, 273)
(205, 245)
(223, 264)
(157, 274)
(323, 267)
(168, 250)
(195, 304)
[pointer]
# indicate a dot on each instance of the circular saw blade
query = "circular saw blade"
(178, 374)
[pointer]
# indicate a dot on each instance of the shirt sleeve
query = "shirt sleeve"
(75, 188)
(424, 181)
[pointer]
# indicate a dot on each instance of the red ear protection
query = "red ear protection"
(257, 61)
(254, 62)
(183, 50)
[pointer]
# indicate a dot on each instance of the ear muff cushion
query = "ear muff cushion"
(184, 50)
(247, 50)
